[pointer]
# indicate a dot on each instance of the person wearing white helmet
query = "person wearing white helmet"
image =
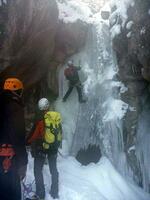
(43, 104)
(45, 138)
(71, 74)
(70, 63)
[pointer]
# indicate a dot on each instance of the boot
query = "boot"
(35, 198)
(54, 195)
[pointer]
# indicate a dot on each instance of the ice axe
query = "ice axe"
(63, 156)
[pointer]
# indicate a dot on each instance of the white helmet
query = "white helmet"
(43, 104)
(70, 63)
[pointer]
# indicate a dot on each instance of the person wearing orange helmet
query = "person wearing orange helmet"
(13, 155)
(14, 85)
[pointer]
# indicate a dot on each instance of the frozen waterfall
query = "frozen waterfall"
(99, 121)
(143, 140)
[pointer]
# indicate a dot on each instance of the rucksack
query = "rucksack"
(53, 130)
(71, 73)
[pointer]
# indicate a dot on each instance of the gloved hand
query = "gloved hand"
(22, 171)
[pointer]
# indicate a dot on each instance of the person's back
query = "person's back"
(45, 137)
(11, 117)
(71, 74)
(53, 131)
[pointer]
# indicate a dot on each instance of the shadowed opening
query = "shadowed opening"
(91, 154)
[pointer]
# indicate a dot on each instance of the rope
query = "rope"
(27, 189)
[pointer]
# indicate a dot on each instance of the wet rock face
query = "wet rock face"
(141, 42)
(3, 20)
(37, 43)
(31, 31)
(69, 39)
(33, 47)
(132, 47)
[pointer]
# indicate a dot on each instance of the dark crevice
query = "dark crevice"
(89, 155)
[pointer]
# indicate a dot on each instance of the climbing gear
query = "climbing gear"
(53, 132)
(7, 151)
(13, 84)
(27, 190)
(43, 104)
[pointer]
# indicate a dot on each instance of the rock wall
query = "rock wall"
(34, 45)
(38, 43)
(132, 47)
(30, 40)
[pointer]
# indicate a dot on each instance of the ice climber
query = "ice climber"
(13, 156)
(71, 74)
(45, 139)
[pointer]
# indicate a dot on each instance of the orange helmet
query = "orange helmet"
(13, 84)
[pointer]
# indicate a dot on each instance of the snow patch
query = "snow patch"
(115, 109)
(98, 181)
(120, 12)
(132, 109)
(122, 7)
(129, 34)
(120, 85)
(131, 149)
(143, 31)
(129, 25)
(71, 11)
(115, 30)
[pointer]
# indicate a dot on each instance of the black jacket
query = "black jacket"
(12, 125)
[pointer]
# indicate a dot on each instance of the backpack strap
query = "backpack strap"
(53, 130)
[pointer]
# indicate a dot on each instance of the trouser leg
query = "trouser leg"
(68, 92)
(52, 160)
(39, 181)
(10, 187)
